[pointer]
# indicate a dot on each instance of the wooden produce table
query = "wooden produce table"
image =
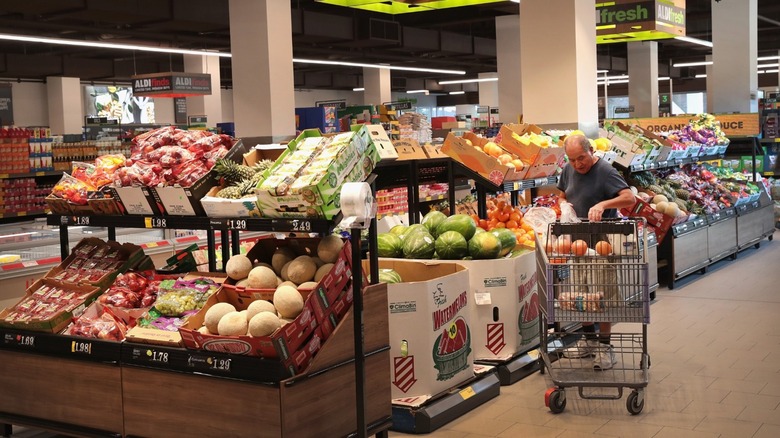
(320, 402)
(60, 383)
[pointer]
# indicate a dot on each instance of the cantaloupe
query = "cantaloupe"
(307, 285)
(317, 261)
(243, 283)
(322, 271)
(288, 283)
(232, 324)
(263, 264)
(285, 321)
(279, 281)
(660, 198)
(258, 306)
(329, 247)
(301, 270)
(215, 313)
(284, 273)
(262, 278)
(661, 206)
(204, 330)
(263, 324)
(238, 267)
(288, 301)
(281, 257)
(671, 209)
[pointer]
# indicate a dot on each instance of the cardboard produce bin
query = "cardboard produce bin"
(659, 221)
(86, 295)
(542, 161)
(127, 253)
(137, 200)
(409, 150)
(377, 136)
(185, 201)
(480, 162)
(505, 313)
(431, 332)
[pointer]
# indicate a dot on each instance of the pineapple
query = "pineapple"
(247, 187)
(262, 165)
(257, 178)
(233, 172)
(682, 194)
(231, 192)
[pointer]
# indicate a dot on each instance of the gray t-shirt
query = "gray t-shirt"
(602, 182)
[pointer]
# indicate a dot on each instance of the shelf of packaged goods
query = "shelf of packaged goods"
(674, 163)
(30, 174)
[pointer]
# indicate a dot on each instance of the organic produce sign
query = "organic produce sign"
(732, 124)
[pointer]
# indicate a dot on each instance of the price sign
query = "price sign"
(81, 347)
(155, 222)
(467, 392)
(25, 340)
(301, 225)
(220, 364)
(236, 224)
(540, 181)
(80, 220)
(157, 356)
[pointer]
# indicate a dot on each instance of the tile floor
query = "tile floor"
(715, 349)
(714, 345)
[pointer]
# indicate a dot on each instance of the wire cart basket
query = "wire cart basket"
(594, 272)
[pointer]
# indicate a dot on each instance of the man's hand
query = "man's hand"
(594, 214)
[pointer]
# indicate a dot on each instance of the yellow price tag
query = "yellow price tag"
(3, 175)
(148, 222)
(151, 245)
(22, 213)
(40, 173)
(467, 393)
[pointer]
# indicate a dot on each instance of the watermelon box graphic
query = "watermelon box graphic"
(510, 323)
(431, 334)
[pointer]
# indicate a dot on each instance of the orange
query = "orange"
(563, 245)
(515, 216)
(603, 248)
(526, 226)
(579, 247)
(511, 224)
(504, 159)
(500, 225)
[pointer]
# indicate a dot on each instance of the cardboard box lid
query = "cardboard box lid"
(409, 150)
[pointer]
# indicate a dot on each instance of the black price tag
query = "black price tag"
(236, 224)
(298, 225)
(209, 363)
(155, 222)
(81, 347)
(79, 220)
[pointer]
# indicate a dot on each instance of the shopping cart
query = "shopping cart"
(578, 284)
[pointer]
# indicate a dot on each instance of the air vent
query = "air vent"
(381, 30)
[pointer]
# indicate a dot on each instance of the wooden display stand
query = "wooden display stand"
(75, 393)
(319, 402)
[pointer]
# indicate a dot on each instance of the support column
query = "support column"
(263, 84)
(376, 82)
(210, 105)
(734, 81)
(510, 90)
(488, 91)
(558, 64)
(708, 81)
(65, 105)
(643, 78)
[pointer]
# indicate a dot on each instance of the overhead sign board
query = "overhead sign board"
(172, 84)
(639, 20)
(745, 124)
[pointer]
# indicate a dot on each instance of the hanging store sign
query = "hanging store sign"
(399, 105)
(6, 105)
(338, 104)
(745, 124)
(624, 109)
(172, 84)
(632, 20)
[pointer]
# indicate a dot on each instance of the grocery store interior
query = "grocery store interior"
(161, 161)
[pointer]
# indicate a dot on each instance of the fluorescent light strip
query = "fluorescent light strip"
(767, 58)
(389, 67)
(611, 78)
(468, 81)
(417, 91)
(141, 48)
(104, 45)
(701, 76)
(771, 71)
(691, 64)
(664, 78)
(359, 89)
(694, 41)
(602, 71)
(768, 65)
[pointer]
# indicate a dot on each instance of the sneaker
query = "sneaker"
(581, 348)
(605, 358)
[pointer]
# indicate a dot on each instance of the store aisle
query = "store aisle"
(715, 351)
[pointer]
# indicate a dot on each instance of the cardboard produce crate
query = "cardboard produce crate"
(62, 318)
(480, 162)
(431, 332)
(128, 253)
(543, 161)
(376, 135)
(409, 150)
(318, 403)
(137, 201)
(505, 311)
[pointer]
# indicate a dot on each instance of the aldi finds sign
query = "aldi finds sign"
(632, 20)
(172, 84)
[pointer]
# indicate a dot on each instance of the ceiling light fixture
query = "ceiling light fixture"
(691, 64)
(142, 48)
(417, 91)
(104, 45)
(468, 81)
(359, 89)
(767, 58)
(664, 78)
(772, 71)
(457, 92)
(694, 41)
(701, 76)
(612, 78)
(602, 71)
(768, 65)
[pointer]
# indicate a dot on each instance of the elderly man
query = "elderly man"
(596, 190)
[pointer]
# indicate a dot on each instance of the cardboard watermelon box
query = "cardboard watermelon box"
(431, 332)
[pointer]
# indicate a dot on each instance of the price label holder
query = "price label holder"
(538, 182)
(79, 220)
(70, 347)
(482, 298)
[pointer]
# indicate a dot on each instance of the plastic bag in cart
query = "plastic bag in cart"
(568, 215)
(539, 218)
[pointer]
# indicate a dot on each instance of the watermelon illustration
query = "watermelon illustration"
(451, 349)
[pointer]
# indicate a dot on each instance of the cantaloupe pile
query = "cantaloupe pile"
(288, 274)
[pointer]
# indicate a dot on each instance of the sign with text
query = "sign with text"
(745, 124)
(172, 84)
(639, 20)
(338, 104)
(624, 109)
(6, 105)
(180, 110)
(399, 105)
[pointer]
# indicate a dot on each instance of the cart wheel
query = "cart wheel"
(555, 399)
(634, 404)
(771, 236)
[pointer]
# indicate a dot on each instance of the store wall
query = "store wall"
(227, 105)
(163, 111)
(29, 102)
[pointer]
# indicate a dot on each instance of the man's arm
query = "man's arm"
(624, 198)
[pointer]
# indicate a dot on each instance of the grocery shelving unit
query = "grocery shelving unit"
(81, 361)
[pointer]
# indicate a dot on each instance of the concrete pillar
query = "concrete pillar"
(209, 105)
(558, 64)
(643, 78)
(708, 81)
(263, 84)
(734, 82)
(510, 90)
(488, 91)
(65, 105)
(376, 82)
